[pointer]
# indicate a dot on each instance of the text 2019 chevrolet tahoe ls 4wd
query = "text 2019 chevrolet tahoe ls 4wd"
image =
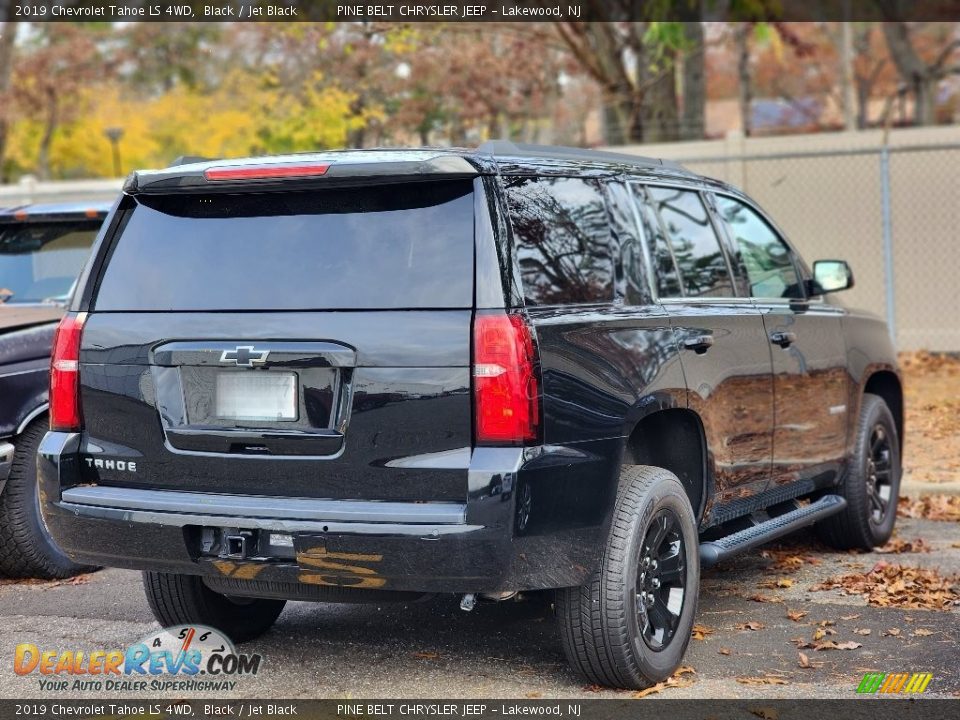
(367, 374)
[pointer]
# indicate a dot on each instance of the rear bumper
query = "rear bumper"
(475, 546)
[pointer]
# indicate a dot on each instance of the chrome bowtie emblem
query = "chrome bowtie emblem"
(245, 356)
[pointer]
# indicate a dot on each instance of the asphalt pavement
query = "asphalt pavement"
(754, 614)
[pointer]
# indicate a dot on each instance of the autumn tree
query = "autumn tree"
(156, 57)
(56, 62)
(651, 72)
(922, 56)
(8, 34)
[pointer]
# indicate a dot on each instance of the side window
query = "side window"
(767, 259)
(696, 248)
(561, 239)
(668, 280)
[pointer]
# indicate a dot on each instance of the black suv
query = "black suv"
(42, 250)
(364, 375)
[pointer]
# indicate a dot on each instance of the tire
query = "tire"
(606, 627)
(184, 599)
(871, 485)
(26, 548)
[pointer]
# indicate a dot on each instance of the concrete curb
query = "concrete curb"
(916, 489)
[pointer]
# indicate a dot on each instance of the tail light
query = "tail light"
(505, 385)
(65, 374)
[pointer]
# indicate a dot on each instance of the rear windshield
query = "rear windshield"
(381, 247)
(40, 261)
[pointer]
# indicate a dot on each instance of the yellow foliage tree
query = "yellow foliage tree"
(243, 116)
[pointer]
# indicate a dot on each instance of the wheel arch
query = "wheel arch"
(37, 412)
(886, 384)
(673, 438)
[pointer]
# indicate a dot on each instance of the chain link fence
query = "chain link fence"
(892, 211)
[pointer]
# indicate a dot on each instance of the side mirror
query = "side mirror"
(831, 276)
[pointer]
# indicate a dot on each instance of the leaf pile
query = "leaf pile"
(930, 507)
(923, 361)
(892, 585)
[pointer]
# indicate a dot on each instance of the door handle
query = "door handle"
(699, 343)
(783, 339)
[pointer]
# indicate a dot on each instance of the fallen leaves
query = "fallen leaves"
(930, 507)
(920, 362)
(796, 615)
(820, 645)
(700, 632)
(765, 598)
(765, 679)
(48, 584)
(892, 585)
(804, 661)
(724, 651)
(752, 625)
(899, 545)
(674, 681)
(831, 645)
(817, 643)
(75, 580)
(426, 655)
(819, 634)
(862, 631)
(922, 632)
(892, 632)
(786, 560)
(774, 584)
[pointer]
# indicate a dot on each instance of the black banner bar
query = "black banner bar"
(476, 10)
(857, 708)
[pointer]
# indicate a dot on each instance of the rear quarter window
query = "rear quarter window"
(561, 236)
(376, 247)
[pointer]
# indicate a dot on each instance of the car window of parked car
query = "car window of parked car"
(768, 260)
(667, 277)
(696, 248)
(40, 261)
(561, 236)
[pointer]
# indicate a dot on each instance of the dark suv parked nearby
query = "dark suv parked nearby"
(42, 249)
(365, 375)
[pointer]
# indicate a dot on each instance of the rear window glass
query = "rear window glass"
(376, 247)
(561, 239)
(40, 261)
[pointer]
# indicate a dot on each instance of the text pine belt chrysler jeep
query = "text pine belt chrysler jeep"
(363, 375)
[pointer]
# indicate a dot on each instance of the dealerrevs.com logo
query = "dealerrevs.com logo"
(179, 658)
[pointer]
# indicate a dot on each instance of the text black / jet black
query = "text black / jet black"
(360, 375)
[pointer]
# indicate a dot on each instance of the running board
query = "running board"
(713, 551)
